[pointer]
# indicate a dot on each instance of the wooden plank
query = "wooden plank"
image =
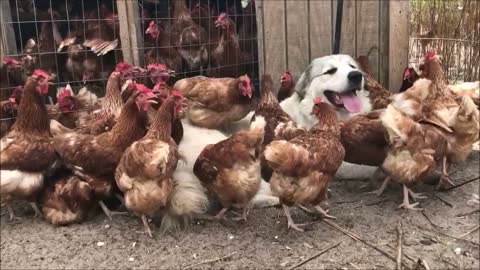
(274, 38)
(398, 39)
(8, 45)
(131, 33)
(349, 33)
(260, 35)
(368, 33)
(297, 37)
(320, 18)
(383, 43)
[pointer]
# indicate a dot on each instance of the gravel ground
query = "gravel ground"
(436, 235)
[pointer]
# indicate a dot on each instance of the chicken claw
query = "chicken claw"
(148, 231)
(290, 222)
(324, 213)
(242, 216)
(109, 213)
(221, 214)
(406, 203)
(380, 191)
(416, 196)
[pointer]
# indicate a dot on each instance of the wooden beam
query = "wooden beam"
(260, 35)
(298, 56)
(274, 38)
(368, 33)
(131, 33)
(320, 18)
(398, 39)
(8, 45)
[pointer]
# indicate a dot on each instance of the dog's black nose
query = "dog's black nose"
(355, 77)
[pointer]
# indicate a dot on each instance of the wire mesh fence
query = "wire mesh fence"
(79, 42)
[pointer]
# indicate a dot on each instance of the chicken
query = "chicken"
(379, 96)
(9, 110)
(471, 89)
(215, 102)
(279, 126)
(227, 60)
(26, 152)
(161, 51)
(158, 73)
(112, 103)
(429, 101)
(95, 158)
(74, 108)
(364, 65)
(414, 150)
(66, 199)
(230, 169)
(189, 38)
(163, 91)
(287, 86)
(304, 166)
(144, 173)
(13, 74)
(410, 76)
(363, 134)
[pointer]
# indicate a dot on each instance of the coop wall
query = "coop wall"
(292, 33)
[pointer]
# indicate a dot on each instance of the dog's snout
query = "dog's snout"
(355, 77)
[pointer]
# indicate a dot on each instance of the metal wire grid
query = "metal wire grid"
(30, 17)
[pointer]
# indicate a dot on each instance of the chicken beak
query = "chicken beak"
(125, 86)
(171, 72)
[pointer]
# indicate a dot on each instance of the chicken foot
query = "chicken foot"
(380, 191)
(148, 231)
(323, 213)
(290, 222)
(242, 216)
(11, 213)
(37, 211)
(108, 212)
(416, 196)
(406, 203)
(221, 214)
(444, 177)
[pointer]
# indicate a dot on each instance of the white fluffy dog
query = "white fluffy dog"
(335, 78)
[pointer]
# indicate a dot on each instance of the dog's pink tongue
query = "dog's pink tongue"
(351, 103)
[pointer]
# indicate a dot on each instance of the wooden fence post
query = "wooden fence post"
(8, 45)
(398, 42)
(131, 32)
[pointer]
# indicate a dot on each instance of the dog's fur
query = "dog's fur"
(314, 81)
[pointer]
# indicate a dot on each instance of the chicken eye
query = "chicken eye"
(331, 71)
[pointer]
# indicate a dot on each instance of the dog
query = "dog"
(338, 80)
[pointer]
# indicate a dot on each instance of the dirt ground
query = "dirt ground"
(436, 235)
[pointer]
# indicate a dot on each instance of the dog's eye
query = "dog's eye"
(352, 66)
(331, 71)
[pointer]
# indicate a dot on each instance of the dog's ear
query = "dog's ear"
(304, 82)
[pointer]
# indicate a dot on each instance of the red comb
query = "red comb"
(317, 100)
(157, 66)
(39, 72)
(9, 60)
(287, 72)
(151, 23)
(142, 88)
(222, 16)
(407, 73)
(245, 78)
(122, 65)
(430, 54)
(176, 93)
(64, 93)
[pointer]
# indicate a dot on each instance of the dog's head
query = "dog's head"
(338, 80)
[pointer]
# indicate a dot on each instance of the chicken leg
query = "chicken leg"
(221, 214)
(406, 203)
(243, 216)
(444, 177)
(108, 212)
(11, 213)
(290, 222)
(380, 191)
(146, 226)
(38, 213)
(323, 213)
